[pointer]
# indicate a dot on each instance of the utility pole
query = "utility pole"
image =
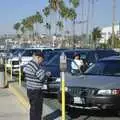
(113, 22)
(82, 15)
(119, 29)
(74, 41)
(92, 19)
(74, 24)
(87, 26)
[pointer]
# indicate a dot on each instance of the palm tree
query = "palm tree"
(96, 35)
(75, 3)
(73, 15)
(116, 42)
(88, 20)
(60, 25)
(48, 27)
(54, 4)
(27, 24)
(30, 21)
(37, 19)
(46, 12)
(17, 27)
(59, 8)
(92, 10)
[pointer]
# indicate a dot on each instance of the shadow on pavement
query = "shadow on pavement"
(75, 113)
(53, 115)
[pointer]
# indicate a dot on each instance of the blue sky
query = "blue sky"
(12, 11)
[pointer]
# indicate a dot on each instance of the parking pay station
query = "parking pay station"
(63, 67)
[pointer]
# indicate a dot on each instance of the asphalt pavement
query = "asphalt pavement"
(78, 114)
(10, 108)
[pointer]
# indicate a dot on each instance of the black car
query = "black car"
(92, 56)
(98, 87)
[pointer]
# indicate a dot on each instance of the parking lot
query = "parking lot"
(101, 80)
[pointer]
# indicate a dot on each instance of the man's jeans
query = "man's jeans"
(36, 103)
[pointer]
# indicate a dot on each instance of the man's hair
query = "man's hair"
(40, 54)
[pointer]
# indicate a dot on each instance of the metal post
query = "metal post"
(113, 23)
(74, 41)
(19, 75)
(82, 16)
(11, 72)
(119, 30)
(6, 81)
(92, 21)
(63, 95)
(63, 67)
(87, 26)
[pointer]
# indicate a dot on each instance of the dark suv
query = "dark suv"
(90, 55)
(98, 87)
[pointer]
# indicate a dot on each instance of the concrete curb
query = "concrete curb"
(19, 94)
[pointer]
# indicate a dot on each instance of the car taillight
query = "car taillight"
(116, 92)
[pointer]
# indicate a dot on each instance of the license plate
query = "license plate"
(78, 100)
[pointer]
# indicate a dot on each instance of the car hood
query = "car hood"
(92, 81)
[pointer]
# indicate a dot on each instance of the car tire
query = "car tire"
(72, 112)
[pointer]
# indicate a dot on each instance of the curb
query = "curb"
(20, 95)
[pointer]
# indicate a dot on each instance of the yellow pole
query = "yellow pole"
(5, 75)
(19, 76)
(63, 95)
(11, 71)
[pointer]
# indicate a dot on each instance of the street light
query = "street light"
(113, 22)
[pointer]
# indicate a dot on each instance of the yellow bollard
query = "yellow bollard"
(6, 81)
(63, 68)
(63, 95)
(19, 76)
(11, 72)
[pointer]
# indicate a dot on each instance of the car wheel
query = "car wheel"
(72, 112)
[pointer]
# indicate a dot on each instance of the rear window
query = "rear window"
(102, 54)
(29, 52)
(111, 67)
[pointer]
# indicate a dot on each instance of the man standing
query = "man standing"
(35, 76)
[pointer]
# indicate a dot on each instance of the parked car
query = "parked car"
(53, 64)
(98, 87)
(23, 56)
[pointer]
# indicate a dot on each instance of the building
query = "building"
(107, 32)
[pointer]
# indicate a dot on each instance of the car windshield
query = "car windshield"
(110, 68)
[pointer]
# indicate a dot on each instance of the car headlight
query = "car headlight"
(104, 92)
